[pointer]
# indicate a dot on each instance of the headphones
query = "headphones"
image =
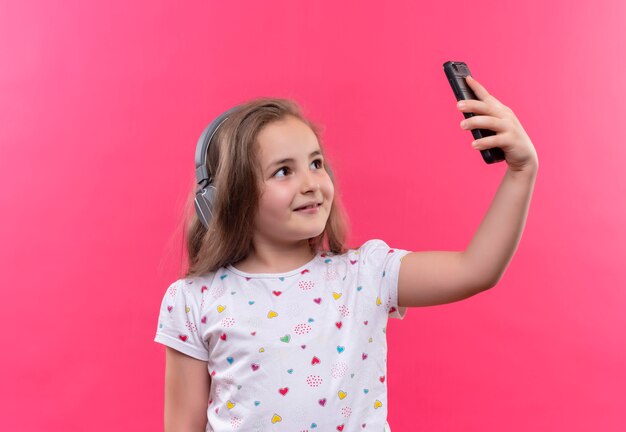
(205, 194)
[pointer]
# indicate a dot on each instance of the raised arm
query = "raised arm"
(187, 385)
(430, 278)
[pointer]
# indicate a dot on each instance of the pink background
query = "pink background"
(100, 109)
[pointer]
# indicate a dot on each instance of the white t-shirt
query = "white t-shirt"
(303, 350)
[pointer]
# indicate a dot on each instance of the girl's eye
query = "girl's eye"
(318, 162)
(282, 169)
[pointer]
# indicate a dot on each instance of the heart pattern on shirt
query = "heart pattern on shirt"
(281, 304)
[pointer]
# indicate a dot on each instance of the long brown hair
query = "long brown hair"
(233, 160)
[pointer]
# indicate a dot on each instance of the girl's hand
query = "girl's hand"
(510, 136)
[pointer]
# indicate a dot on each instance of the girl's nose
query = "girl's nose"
(310, 182)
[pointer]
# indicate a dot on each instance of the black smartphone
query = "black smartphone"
(456, 73)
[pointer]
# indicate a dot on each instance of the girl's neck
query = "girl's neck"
(272, 259)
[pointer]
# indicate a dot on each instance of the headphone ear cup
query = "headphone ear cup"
(204, 204)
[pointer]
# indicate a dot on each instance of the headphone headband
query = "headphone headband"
(204, 195)
(202, 148)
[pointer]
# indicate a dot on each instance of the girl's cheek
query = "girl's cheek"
(329, 185)
(284, 194)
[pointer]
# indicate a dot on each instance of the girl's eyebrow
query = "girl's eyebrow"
(282, 161)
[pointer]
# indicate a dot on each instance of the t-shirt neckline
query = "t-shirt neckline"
(273, 275)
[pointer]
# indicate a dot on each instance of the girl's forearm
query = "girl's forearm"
(496, 240)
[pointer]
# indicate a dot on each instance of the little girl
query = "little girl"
(277, 325)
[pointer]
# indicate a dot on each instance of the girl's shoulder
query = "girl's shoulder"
(373, 249)
(369, 245)
(373, 244)
(192, 286)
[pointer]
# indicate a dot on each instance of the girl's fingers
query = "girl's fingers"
(473, 106)
(481, 92)
(484, 122)
(487, 142)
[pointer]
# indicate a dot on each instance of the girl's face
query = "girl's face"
(293, 175)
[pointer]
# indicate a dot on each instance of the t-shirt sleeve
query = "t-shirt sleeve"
(382, 263)
(180, 320)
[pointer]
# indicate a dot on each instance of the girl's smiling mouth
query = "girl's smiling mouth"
(309, 209)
